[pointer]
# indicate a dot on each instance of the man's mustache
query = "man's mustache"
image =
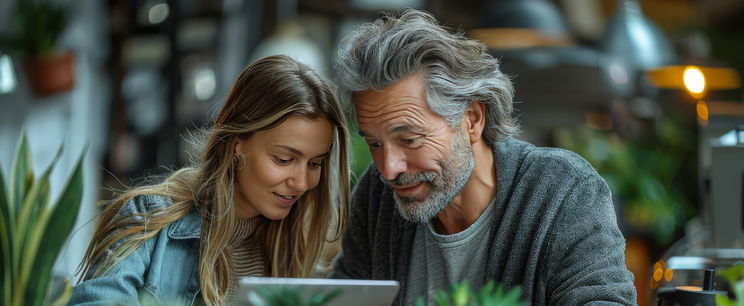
(411, 178)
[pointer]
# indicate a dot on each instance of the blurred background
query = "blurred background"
(648, 91)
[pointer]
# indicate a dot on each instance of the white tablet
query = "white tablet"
(352, 292)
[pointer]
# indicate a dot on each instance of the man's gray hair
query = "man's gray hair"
(456, 70)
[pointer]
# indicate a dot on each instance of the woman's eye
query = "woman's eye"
(314, 165)
(375, 145)
(281, 161)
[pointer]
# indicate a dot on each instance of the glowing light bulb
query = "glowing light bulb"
(694, 80)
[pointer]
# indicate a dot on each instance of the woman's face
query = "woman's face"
(276, 167)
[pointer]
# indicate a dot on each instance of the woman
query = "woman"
(269, 194)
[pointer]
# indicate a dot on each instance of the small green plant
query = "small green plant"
(491, 294)
(291, 296)
(32, 230)
(38, 25)
(734, 276)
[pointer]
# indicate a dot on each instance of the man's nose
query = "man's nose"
(393, 163)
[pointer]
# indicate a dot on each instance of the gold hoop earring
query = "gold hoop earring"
(237, 158)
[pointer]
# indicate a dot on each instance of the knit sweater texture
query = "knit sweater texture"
(555, 232)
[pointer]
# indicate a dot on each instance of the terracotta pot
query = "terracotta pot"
(51, 74)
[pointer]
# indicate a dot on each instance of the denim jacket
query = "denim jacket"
(164, 269)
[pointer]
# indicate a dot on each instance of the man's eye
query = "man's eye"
(412, 142)
(375, 145)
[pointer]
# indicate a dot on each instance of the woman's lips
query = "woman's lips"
(288, 202)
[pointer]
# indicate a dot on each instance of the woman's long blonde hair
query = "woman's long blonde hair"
(265, 94)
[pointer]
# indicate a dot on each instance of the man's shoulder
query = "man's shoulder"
(548, 160)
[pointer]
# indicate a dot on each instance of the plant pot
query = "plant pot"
(51, 74)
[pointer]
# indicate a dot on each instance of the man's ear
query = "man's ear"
(474, 120)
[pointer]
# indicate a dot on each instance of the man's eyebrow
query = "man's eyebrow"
(401, 128)
(395, 130)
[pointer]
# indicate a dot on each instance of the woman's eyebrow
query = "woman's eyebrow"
(298, 152)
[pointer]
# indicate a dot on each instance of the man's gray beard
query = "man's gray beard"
(456, 170)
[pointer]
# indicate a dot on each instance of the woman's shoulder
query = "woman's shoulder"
(143, 204)
(185, 227)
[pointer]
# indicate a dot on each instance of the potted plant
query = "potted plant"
(291, 296)
(38, 25)
(489, 295)
(32, 230)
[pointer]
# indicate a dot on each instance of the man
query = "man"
(452, 196)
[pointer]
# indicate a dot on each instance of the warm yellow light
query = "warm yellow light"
(659, 264)
(702, 110)
(658, 273)
(694, 80)
(668, 274)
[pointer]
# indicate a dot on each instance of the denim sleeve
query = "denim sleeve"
(118, 286)
(121, 284)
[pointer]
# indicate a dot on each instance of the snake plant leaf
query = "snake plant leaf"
(65, 295)
(33, 219)
(61, 220)
(21, 177)
(5, 243)
(35, 202)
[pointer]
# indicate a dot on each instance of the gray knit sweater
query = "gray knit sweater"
(555, 232)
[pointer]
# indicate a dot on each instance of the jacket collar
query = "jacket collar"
(188, 227)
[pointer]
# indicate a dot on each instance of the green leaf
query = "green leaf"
(722, 300)
(461, 294)
(739, 292)
(420, 301)
(27, 236)
(64, 296)
(441, 298)
(61, 220)
(21, 177)
(35, 204)
(321, 298)
(732, 274)
(6, 241)
(512, 297)
(35, 201)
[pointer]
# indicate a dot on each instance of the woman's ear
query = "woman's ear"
(475, 120)
(238, 146)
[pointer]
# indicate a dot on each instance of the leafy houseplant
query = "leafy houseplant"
(490, 295)
(38, 25)
(734, 276)
(32, 230)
